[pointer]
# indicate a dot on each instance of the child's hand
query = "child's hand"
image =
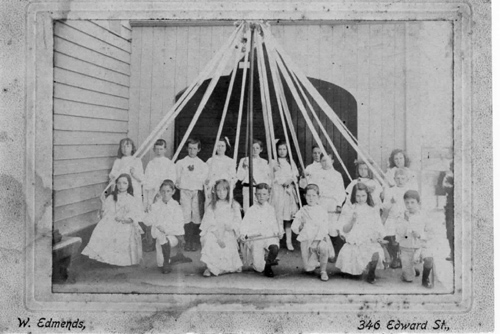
(354, 215)
(393, 200)
(132, 171)
(276, 168)
(221, 243)
(161, 229)
(338, 209)
(245, 163)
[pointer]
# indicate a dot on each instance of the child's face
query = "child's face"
(326, 162)
(166, 193)
(282, 151)
(262, 196)
(127, 149)
(400, 180)
(122, 184)
(159, 150)
(256, 149)
(312, 197)
(399, 160)
(193, 150)
(412, 205)
(361, 196)
(363, 170)
(221, 147)
(222, 192)
(316, 154)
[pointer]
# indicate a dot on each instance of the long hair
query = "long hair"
(130, 189)
(281, 142)
(393, 154)
(358, 163)
(122, 142)
(224, 183)
(228, 145)
(363, 187)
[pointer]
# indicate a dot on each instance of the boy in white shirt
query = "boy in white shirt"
(260, 231)
(313, 167)
(191, 175)
(261, 172)
(167, 222)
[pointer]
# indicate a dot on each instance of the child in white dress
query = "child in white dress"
(159, 169)
(191, 175)
(260, 233)
(261, 172)
(412, 235)
(393, 209)
(363, 234)
(311, 224)
(220, 167)
(117, 237)
(332, 191)
(126, 163)
(284, 196)
(167, 222)
(220, 229)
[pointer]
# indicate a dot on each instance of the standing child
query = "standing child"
(261, 172)
(331, 187)
(191, 174)
(126, 163)
(160, 168)
(363, 233)
(260, 232)
(167, 222)
(412, 236)
(220, 167)
(311, 223)
(365, 175)
(284, 195)
(393, 210)
(313, 167)
(117, 237)
(220, 228)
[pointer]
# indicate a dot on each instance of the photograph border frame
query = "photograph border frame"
(39, 153)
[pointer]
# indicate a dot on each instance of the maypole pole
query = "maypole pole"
(250, 116)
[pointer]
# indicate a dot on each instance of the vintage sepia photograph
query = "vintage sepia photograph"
(202, 166)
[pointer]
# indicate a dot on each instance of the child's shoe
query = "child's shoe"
(425, 278)
(167, 268)
(324, 276)
(268, 271)
(370, 277)
(289, 246)
(207, 273)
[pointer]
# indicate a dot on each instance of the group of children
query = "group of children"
(360, 228)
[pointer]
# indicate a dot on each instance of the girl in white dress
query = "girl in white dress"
(399, 159)
(127, 164)
(117, 237)
(365, 175)
(363, 232)
(220, 167)
(219, 230)
(284, 195)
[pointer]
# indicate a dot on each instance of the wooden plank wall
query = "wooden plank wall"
(91, 103)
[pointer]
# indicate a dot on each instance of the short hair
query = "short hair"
(122, 142)
(401, 171)
(168, 183)
(328, 154)
(412, 194)
(360, 186)
(193, 141)
(261, 186)
(258, 141)
(130, 188)
(160, 142)
(315, 146)
(312, 186)
(361, 162)
(393, 154)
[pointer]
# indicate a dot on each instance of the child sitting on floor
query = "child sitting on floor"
(411, 233)
(311, 223)
(220, 228)
(260, 232)
(167, 225)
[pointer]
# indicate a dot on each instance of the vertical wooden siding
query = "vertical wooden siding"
(91, 103)
(399, 73)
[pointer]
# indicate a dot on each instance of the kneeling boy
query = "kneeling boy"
(260, 231)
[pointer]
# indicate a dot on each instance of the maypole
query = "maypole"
(250, 116)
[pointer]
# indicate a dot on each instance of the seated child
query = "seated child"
(393, 209)
(363, 233)
(311, 223)
(117, 237)
(220, 229)
(191, 175)
(167, 225)
(260, 232)
(411, 233)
